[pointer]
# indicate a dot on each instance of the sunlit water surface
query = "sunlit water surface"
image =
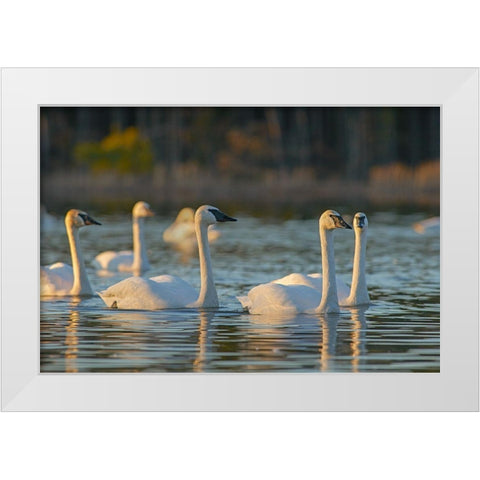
(399, 332)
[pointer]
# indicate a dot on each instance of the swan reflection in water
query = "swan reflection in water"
(71, 342)
(358, 333)
(128, 323)
(273, 336)
(71, 335)
(199, 362)
(356, 344)
(326, 333)
(142, 332)
(130, 338)
(328, 346)
(330, 342)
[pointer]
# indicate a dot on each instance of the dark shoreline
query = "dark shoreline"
(278, 193)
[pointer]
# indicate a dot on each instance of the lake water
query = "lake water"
(399, 332)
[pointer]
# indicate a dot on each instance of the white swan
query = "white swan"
(167, 291)
(428, 225)
(300, 293)
(126, 260)
(313, 280)
(358, 294)
(181, 233)
(61, 279)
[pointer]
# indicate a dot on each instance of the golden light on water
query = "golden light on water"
(71, 342)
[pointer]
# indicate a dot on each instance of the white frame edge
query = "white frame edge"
(455, 388)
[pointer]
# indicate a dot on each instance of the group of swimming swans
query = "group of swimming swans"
(292, 294)
(315, 293)
(164, 291)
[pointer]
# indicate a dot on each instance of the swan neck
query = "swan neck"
(329, 300)
(81, 284)
(140, 260)
(208, 293)
(358, 291)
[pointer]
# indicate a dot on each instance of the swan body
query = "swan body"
(61, 279)
(156, 293)
(181, 233)
(428, 225)
(313, 280)
(168, 291)
(298, 293)
(358, 294)
(276, 298)
(127, 260)
(56, 279)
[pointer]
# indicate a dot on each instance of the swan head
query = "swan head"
(360, 222)
(211, 215)
(78, 218)
(142, 209)
(330, 220)
(185, 215)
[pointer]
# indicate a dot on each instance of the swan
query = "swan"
(168, 291)
(428, 225)
(313, 280)
(300, 293)
(126, 260)
(181, 233)
(358, 294)
(60, 279)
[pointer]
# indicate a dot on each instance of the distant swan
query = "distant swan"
(300, 293)
(167, 291)
(181, 233)
(61, 279)
(358, 294)
(428, 225)
(126, 260)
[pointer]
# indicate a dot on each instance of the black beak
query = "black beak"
(89, 220)
(221, 217)
(360, 222)
(340, 222)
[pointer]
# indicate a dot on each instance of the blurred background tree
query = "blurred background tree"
(192, 151)
(124, 151)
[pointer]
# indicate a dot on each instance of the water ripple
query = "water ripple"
(400, 332)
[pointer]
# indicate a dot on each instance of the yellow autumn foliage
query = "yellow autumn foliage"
(122, 151)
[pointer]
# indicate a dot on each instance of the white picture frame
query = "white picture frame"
(455, 388)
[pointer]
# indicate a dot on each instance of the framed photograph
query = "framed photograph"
(225, 266)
